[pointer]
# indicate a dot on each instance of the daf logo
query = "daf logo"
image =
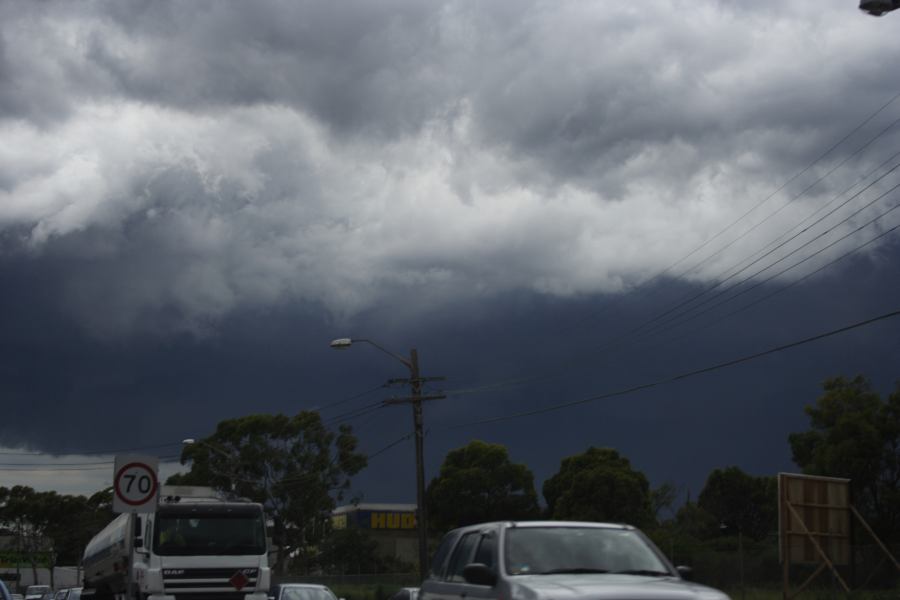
(173, 572)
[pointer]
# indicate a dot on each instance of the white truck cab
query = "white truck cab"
(196, 546)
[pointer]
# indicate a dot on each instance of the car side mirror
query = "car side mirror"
(685, 572)
(479, 574)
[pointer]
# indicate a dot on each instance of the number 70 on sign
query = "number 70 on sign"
(135, 484)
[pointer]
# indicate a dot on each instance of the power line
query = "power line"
(350, 398)
(796, 264)
(795, 197)
(93, 453)
(721, 281)
(355, 413)
(675, 317)
(686, 375)
(380, 451)
(793, 283)
(51, 467)
(834, 199)
(821, 157)
(179, 443)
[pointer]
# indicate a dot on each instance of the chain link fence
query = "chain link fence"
(735, 564)
(745, 568)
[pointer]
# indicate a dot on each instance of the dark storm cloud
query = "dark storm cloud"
(195, 197)
(190, 159)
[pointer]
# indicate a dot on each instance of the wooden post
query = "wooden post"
(817, 547)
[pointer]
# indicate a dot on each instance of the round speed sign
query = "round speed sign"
(135, 484)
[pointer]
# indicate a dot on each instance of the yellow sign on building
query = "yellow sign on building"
(392, 520)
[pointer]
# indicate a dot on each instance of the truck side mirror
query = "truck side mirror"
(138, 532)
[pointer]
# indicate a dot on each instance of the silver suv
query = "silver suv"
(558, 560)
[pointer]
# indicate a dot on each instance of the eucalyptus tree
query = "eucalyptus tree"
(293, 465)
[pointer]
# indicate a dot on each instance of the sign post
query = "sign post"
(135, 490)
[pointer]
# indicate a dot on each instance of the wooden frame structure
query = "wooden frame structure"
(815, 521)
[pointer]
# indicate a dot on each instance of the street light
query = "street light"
(232, 478)
(415, 382)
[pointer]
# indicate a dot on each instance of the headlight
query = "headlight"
(153, 581)
(263, 580)
(711, 594)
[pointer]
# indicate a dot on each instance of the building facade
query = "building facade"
(391, 526)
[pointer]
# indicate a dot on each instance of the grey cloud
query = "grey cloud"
(356, 66)
(189, 159)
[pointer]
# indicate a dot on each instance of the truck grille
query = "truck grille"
(209, 584)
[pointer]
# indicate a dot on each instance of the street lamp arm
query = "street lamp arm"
(213, 447)
(345, 342)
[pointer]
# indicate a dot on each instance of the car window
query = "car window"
(461, 556)
(440, 557)
(485, 552)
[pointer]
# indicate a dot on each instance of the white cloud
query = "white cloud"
(465, 149)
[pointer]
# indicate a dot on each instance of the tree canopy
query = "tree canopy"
(741, 502)
(51, 528)
(599, 485)
(855, 434)
(294, 466)
(478, 483)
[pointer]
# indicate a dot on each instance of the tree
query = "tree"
(662, 499)
(694, 523)
(855, 434)
(52, 528)
(599, 485)
(294, 466)
(741, 502)
(77, 520)
(479, 483)
(349, 551)
(24, 512)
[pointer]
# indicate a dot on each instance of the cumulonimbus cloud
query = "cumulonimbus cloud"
(198, 160)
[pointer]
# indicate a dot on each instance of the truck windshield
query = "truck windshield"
(209, 533)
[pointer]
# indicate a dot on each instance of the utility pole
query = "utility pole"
(415, 382)
(422, 516)
(416, 399)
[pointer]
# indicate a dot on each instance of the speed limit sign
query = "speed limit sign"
(135, 486)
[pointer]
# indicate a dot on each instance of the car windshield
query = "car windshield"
(301, 593)
(36, 590)
(550, 550)
(209, 534)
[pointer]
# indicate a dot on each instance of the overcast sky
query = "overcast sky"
(551, 201)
